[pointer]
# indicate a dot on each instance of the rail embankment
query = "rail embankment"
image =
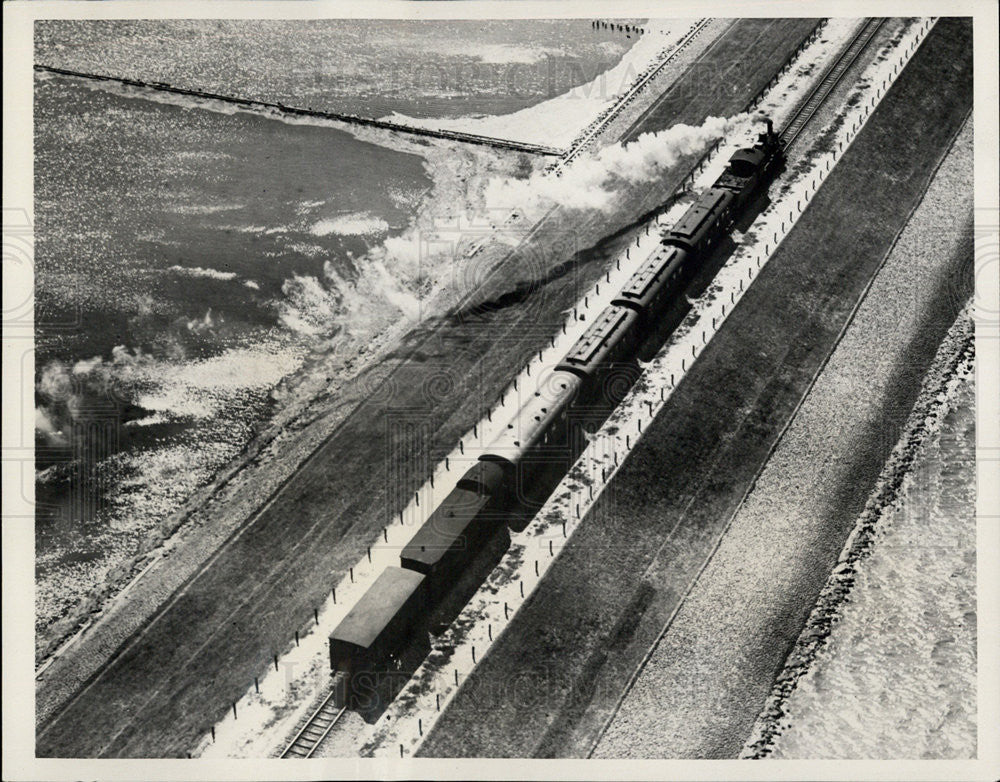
(886, 665)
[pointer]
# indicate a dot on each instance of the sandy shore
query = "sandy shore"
(559, 121)
(886, 666)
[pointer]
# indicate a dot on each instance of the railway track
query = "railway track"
(830, 80)
(626, 99)
(316, 729)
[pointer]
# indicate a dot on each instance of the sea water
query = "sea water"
(188, 259)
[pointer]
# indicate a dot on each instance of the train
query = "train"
(377, 626)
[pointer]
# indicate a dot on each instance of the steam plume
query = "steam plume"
(590, 182)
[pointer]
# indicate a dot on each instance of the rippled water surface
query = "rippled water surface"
(369, 67)
(188, 259)
(167, 242)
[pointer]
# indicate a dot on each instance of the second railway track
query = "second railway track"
(578, 147)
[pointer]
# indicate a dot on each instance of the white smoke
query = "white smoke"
(87, 365)
(66, 391)
(591, 182)
(48, 429)
(55, 381)
(395, 276)
(93, 377)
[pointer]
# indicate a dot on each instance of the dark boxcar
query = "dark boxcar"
(458, 527)
(378, 623)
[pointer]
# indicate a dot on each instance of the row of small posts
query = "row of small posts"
(598, 24)
(814, 184)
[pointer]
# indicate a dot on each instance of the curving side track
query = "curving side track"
(628, 97)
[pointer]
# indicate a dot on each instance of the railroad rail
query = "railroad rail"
(450, 135)
(830, 80)
(636, 88)
(316, 728)
(803, 113)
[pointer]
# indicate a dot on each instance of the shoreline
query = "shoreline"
(942, 393)
(563, 120)
(309, 414)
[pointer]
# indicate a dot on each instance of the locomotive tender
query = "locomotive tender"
(377, 626)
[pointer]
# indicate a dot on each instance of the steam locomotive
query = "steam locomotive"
(379, 624)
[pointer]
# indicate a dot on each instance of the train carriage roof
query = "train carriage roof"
(638, 287)
(751, 155)
(484, 477)
(598, 335)
(376, 609)
(710, 203)
(449, 527)
(744, 162)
